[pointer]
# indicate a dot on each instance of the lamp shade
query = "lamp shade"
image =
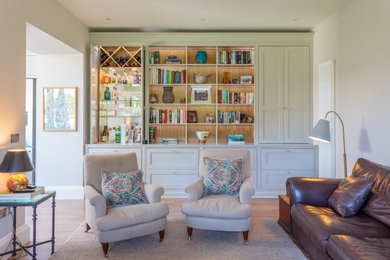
(16, 160)
(321, 132)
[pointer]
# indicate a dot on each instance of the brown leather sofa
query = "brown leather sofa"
(324, 234)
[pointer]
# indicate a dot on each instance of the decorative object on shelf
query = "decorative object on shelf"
(153, 99)
(201, 78)
(246, 79)
(202, 136)
(18, 162)
(152, 135)
(225, 78)
(200, 95)
(236, 139)
(245, 118)
(321, 132)
(172, 59)
(192, 116)
(107, 94)
(201, 57)
(168, 96)
(59, 109)
(209, 118)
(235, 81)
(183, 100)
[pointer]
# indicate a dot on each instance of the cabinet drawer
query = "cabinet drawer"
(288, 159)
(138, 152)
(276, 180)
(169, 159)
(172, 180)
(252, 152)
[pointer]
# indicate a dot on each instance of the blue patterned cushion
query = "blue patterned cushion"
(122, 189)
(222, 176)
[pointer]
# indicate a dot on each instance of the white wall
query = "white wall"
(59, 154)
(357, 38)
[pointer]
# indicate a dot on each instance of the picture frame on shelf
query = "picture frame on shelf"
(235, 81)
(246, 79)
(153, 99)
(200, 95)
(192, 117)
(209, 118)
(59, 109)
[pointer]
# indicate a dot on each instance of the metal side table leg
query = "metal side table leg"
(34, 218)
(53, 205)
(14, 232)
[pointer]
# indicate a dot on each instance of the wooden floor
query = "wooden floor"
(70, 214)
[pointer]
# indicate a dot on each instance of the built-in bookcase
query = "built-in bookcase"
(224, 104)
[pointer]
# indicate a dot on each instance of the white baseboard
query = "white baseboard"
(23, 235)
(67, 192)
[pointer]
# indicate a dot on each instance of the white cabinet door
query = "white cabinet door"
(270, 95)
(296, 93)
(172, 159)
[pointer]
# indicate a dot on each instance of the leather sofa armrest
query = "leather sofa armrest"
(311, 191)
(95, 199)
(195, 189)
(153, 192)
(246, 191)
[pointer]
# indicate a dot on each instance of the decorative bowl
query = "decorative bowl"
(201, 78)
(202, 136)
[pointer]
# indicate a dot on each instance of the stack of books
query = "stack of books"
(170, 141)
(172, 61)
(236, 139)
(9, 195)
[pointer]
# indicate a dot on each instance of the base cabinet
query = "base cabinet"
(173, 167)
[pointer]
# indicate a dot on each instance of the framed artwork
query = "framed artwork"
(235, 81)
(201, 95)
(192, 117)
(209, 118)
(246, 79)
(59, 109)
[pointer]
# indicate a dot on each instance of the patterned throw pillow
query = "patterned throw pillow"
(222, 176)
(122, 189)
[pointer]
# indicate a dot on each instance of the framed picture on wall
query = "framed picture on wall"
(59, 109)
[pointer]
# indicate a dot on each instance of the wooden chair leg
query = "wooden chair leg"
(189, 231)
(161, 233)
(105, 249)
(87, 227)
(246, 233)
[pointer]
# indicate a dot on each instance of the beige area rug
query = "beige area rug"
(267, 240)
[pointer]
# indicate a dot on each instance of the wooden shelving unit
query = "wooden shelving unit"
(224, 76)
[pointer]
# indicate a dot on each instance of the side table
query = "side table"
(34, 202)
(284, 212)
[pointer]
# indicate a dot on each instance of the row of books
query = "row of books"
(231, 117)
(235, 57)
(163, 76)
(167, 116)
(236, 139)
(228, 97)
(154, 57)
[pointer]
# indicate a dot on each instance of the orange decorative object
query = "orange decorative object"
(17, 181)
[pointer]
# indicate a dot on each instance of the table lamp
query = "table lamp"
(321, 132)
(18, 162)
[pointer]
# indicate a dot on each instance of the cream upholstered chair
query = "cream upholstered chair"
(220, 212)
(120, 223)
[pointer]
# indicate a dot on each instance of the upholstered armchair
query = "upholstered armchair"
(220, 212)
(120, 223)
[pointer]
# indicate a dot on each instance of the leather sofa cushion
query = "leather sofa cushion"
(374, 172)
(120, 217)
(341, 247)
(217, 206)
(321, 222)
(378, 207)
(350, 196)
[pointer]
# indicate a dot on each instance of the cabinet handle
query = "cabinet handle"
(173, 172)
(288, 151)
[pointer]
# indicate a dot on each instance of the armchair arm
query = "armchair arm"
(153, 192)
(311, 191)
(195, 189)
(246, 191)
(95, 199)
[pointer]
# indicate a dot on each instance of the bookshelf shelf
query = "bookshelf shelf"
(230, 72)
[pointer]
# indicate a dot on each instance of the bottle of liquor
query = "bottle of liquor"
(107, 94)
(105, 134)
(118, 135)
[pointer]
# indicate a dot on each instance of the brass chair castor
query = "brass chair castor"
(189, 237)
(106, 255)
(246, 242)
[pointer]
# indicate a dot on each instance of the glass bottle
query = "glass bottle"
(107, 94)
(118, 135)
(105, 134)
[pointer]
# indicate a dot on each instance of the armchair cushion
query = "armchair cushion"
(122, 189)
(217, 206)
(222, 176)
(120, 217)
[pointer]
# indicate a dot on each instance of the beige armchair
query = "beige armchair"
(220, 212)
(120, 223)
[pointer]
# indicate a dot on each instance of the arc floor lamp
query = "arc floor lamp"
(321, 132)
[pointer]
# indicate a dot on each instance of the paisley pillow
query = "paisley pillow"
(222, 176)
(120, 189)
